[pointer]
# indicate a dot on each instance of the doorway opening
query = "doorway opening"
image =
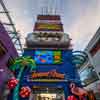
(47, 93)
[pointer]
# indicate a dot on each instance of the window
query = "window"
(3, 49)
(95, 48)
(10, 61)
(88, 76)
(99, 73)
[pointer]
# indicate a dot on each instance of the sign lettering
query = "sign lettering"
(51, 74)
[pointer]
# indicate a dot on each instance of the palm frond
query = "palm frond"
(22, 61)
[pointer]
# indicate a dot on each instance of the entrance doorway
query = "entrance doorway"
(45, 93)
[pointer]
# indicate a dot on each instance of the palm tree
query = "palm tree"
(20, 64)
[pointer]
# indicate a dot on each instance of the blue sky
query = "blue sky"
(81, 18)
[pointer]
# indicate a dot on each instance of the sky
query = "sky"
(81, 18)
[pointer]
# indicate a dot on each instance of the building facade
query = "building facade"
(49, 46)
(7, 55)
(90, 70)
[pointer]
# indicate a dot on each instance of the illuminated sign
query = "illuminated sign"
(48, 27)
(47, 57)
(47, 75)
(48, 17)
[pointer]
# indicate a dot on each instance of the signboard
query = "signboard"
(47, 57)
(48, 27)
(48, 17)
(47, 75)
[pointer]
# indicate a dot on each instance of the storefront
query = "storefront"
(47, 93)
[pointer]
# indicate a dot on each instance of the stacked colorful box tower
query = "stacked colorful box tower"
(49, 46)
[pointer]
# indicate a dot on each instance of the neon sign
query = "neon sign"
(47, 75)
(47, 57)
(48, 27)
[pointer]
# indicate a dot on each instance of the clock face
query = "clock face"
(47, 57)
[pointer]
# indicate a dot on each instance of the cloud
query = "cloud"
(85, 25)
(81, 18)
